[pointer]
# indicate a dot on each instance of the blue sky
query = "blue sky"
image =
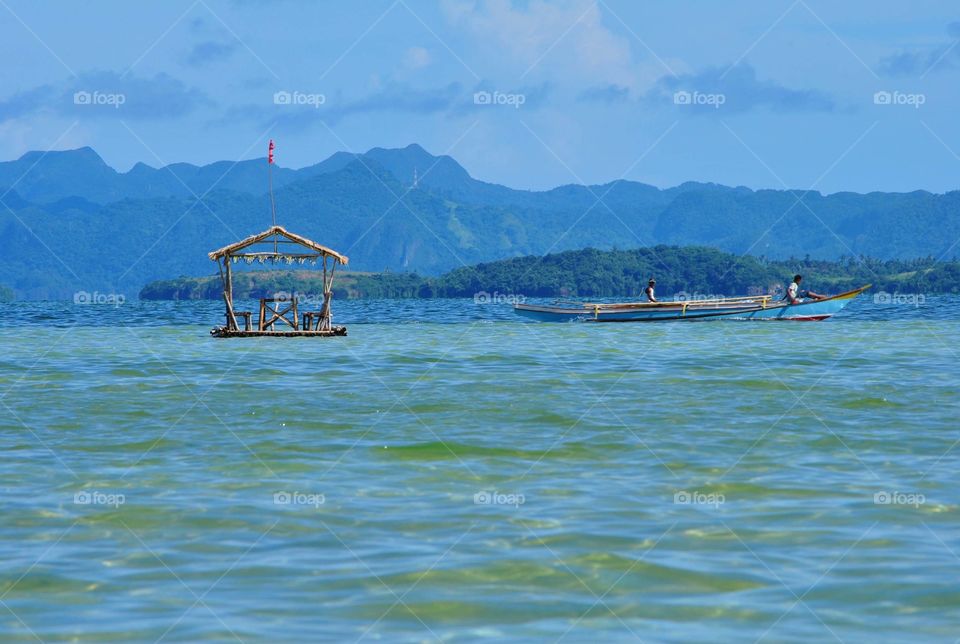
(762, 94)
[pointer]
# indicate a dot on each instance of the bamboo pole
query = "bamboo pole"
(676, 303)
(326, 317)
(333, 268)
(273, 205)
(228, 294)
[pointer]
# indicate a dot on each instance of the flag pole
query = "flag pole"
(273, 205)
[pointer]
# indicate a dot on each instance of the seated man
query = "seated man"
(795, 295)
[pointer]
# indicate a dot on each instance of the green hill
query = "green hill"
(680, 272)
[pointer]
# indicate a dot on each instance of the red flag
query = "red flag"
(270, 152)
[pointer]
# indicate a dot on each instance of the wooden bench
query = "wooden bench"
(240, 314)
(308, 318)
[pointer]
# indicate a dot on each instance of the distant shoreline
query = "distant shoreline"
(693, 272)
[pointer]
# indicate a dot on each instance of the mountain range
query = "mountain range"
(70, 222)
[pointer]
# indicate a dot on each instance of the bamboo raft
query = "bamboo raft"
(303, 333)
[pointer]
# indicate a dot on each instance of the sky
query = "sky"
(853, 96)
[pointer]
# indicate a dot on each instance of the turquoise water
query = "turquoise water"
(447, 472)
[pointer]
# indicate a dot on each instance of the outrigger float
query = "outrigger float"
(761, 307)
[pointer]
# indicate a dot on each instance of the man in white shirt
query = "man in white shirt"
(795, 295)
(649, 290)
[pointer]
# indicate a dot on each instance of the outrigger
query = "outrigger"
(760, 307)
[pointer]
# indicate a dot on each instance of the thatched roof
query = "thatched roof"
(277, 230)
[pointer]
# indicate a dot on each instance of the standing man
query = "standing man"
(649, 290)
(794, 294)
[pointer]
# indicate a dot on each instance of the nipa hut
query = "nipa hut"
(278, 315)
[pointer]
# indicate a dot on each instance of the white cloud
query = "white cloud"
(565, 39)
(416, 58)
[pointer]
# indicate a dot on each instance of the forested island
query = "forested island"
(679, 271)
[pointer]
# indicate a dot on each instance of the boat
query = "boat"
(760, 307)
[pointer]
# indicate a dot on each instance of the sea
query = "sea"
(449, 471)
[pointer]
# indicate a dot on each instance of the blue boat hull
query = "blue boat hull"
(689, 311)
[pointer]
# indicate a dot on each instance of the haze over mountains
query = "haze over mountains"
(71, 222)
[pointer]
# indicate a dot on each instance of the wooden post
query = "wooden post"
(228, 293)
(328, 296)
(323, 324)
